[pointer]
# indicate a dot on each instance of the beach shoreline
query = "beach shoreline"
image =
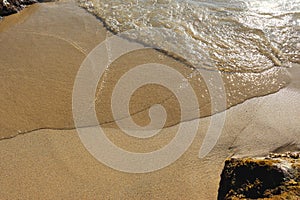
(51, 162)
(78, 46)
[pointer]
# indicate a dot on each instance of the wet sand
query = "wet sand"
(45, 53)
(44, 47)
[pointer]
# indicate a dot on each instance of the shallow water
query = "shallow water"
(49, 26)
(251, 44)
(232, 36)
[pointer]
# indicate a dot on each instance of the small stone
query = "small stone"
(272, 155)
(276, 155)
(283, 155)
(294, 155)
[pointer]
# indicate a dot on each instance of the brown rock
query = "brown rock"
(295, 155)
(8, 7)
(275, 177)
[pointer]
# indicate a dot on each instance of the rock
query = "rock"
(276, 176)
(8, 7)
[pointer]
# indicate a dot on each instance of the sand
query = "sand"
(43, 47)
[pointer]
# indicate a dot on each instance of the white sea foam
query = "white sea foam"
(230, 35)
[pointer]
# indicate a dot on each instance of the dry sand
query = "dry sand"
(42, 49)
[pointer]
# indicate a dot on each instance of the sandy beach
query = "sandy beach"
(42, 157)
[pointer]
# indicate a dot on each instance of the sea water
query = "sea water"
(230, 35)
